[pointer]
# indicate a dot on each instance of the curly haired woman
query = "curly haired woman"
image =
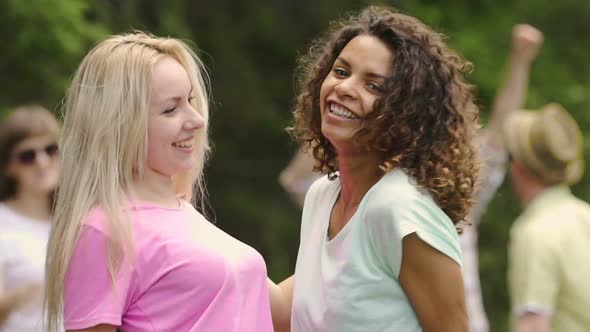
(385, 109)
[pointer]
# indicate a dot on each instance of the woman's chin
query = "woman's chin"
(41, 188)
(182, 169)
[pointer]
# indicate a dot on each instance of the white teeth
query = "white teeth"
(341, 111)
(186, 146)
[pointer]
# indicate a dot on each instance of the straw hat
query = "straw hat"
(548, 142)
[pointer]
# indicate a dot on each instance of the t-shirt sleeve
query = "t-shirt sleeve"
(90, 296)
(532, 273)
(391, 221)
(433, 226)
(316, 190)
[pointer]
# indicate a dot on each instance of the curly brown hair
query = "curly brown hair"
(423, 123)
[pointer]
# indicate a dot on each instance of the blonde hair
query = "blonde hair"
(104, 147)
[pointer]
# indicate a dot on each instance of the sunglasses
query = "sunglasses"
(27, 157)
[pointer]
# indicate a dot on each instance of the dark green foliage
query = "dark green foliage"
(43, 43)
(251, 48)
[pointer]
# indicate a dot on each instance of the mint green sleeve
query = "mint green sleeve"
(390, 220)
(433, 226)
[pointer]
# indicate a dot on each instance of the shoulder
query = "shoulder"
(3, 209)
(320, 193)
(396, 204)
(4, 247)
(96, 218)
(99, 232)
(549, 225)
(323, 186)
(20, 230)
(317, 201)
(398, 194)
(7, 216)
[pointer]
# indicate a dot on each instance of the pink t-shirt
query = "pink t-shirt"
(186, 275)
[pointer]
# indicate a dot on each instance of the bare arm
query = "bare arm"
(526, 42)
(10, 300)
(281, 298)
(434, 285)
(295, 178)
(531, 322)
(98, 328)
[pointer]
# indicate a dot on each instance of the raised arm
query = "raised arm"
(526, 42)
(298, 176)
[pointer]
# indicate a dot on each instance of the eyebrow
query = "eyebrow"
(370, 74)
(177, 97)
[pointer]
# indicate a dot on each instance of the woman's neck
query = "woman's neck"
(35, 206)
(358, 173)
(156, 188)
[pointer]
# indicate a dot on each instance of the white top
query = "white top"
(491, 176)
(351, 283)
(23, 243)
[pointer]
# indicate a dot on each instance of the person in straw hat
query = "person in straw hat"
(549, 266)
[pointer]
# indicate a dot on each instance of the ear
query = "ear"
(525, 174)
(517, 168)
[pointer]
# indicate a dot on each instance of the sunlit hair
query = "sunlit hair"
(22, 123)
(104, 146)
(423, 123)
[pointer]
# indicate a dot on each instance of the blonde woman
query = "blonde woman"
(127, 250)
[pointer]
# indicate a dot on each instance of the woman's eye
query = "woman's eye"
(374, 87)
(340, 72)
(170, 110)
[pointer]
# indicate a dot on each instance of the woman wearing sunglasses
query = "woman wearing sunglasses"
(28, 177)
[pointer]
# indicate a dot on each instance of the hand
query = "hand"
(526, 42)
(27, 293)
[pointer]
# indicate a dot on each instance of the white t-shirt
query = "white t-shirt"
(351, 283)
(23, 243)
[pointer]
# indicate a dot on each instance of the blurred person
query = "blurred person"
(28, 177)
(526, 42)
(298, 176)
(548, 253)
(390, 119)
(127, 250)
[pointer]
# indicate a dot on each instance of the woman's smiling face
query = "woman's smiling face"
(355, 82)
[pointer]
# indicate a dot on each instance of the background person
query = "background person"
(28, 176)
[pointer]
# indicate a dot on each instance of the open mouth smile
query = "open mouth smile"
(341, 111)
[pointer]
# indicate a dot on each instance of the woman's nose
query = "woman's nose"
(346, 88)
(194, 120)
